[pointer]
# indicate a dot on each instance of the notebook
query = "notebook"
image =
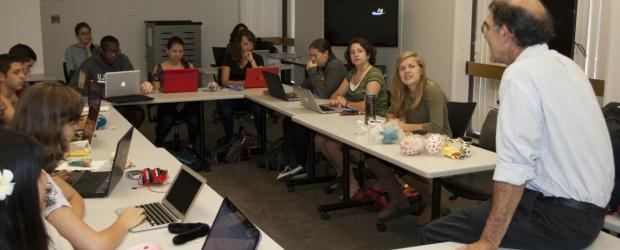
(180, 80)
(307, 99)
(100, 184)
(275, 88)
(124, 86)
(231, 229)
(176, 203)
(254, 76)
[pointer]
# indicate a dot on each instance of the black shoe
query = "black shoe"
(200, 231)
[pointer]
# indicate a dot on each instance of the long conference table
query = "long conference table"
(99, 212)
(342, 128)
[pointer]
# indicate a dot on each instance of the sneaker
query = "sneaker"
(302, 175)
(288, 173)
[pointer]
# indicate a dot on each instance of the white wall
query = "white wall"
(21, 23)
(125, 20)
(612, 76)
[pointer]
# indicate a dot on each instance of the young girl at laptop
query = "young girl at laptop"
(50, 112)
(417, 104)
(169, 112)
(239, 57)
(351, 93)
(22, 195)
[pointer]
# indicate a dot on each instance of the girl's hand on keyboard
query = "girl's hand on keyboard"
(131, 217)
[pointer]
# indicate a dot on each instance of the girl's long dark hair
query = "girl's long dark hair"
(21, 224)
(234, 50)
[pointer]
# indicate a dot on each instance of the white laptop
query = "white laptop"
(122, 83)
(176, 203)
(307, 99)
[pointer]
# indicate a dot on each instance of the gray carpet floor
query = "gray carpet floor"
(290, 218)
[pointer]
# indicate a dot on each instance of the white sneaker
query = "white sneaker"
(288, 173)
(300, 176)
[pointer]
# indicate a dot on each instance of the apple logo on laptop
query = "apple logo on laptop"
(123, 84)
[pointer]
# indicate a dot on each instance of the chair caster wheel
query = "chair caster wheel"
(381, 227)
(324, 216)
(328, 190)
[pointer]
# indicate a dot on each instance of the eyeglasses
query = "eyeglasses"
(84, 33)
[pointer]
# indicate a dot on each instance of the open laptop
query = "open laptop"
(231, 229)
(176, 203)
(100, 184)
(180, 80)
(90, 125)
(254, 76)
(124, 86)
(307, 99)
(275, 88)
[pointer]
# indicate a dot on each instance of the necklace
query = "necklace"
(357, 78)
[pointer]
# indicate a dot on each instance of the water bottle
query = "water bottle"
(370, 105)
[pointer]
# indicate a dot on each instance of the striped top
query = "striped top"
(551, 134)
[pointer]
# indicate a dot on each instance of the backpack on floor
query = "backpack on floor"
(273, 157)
(188, 155)
(235, 148)
(611, 112)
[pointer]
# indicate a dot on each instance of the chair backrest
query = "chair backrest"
(487, 133)
(218, 54)
(459, 115)
(66, 72)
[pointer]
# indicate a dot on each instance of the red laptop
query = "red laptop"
(180, 80)
(254, 76)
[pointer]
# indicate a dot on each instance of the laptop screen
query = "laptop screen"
(91, 124)
(120, 159)
(183, 190)
(231, 230)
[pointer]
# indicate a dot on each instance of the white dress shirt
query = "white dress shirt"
(551, 134)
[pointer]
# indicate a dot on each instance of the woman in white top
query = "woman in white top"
(50, 112)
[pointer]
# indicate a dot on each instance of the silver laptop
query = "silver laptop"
(176, 203)
(122, 83)
(307, 99)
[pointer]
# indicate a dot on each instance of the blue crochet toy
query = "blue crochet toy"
(101, 122)
(390, 134)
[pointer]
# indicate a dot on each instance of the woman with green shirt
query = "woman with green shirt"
(361, 79)
(417, 103)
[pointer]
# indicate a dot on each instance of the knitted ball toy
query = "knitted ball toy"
(390, 133)
(434, 143)
(412, 145)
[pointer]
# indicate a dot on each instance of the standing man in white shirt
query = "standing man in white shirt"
(554, 172)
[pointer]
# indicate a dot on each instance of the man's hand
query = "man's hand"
(311, 64)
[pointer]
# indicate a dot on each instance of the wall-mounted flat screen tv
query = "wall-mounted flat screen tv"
(375, 20)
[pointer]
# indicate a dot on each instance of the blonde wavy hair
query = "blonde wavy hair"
(400, 93)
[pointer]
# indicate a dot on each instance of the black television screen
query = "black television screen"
(375, 20)
(564, 15)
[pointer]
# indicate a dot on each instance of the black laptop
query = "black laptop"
(231, 229)
(100, 184)
(275, 88)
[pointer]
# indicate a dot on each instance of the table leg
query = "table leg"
(436, 198)
(202, 140)
(346, 201)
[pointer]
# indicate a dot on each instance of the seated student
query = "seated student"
(25, 55)
(76, 53)
(11, 80)
(239, 57)
(107, 59)
(351, 93)
(325, 73)
(417, 104)
(23, 196)
(167, 113)
(50, 112)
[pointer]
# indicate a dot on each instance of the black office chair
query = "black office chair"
(66, 72)
(218, 55)
(476, 186)
(459, 115)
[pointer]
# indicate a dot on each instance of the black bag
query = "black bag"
(235, 148)
(188, 155)
(273, 158)
(611, 112)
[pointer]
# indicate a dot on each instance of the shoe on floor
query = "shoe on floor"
(288, 173)
(300, 176)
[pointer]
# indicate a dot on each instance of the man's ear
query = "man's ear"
(2, 77)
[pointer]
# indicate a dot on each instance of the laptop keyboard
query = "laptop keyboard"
(157, 214)
(90, 182)
(129, 98)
